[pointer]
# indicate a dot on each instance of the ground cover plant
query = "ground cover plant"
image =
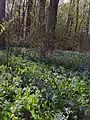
(54, 89)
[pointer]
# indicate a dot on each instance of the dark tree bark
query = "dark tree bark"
(42, 26)
(34, 14)
(2, 16)
(47, 44)
(76, 32)
(88, 22)
(77, 16)
(52, 19)
(19, 19)
(28, 20)
(23, 19)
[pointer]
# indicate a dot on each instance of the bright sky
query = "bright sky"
(66, 1)
(63, 1)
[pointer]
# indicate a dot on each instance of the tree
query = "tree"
(28, 19)
(86, 42)
(23, 19)
(47, 36)
(70, 17)
(19, 18)
(77, 16)
(52, 20)
(88, 21)
(2, 17)
(42, 4)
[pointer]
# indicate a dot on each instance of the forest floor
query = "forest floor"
(53, 89)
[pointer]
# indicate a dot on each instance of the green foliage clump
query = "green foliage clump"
(44, 91)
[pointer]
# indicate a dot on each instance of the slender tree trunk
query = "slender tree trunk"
(81, 40)
(69, 17)
(86, 37)
(77, 17)
(28, 19)
(2, 16)
(34, 18)
(88, 22)
(83, 17)
(19, 19)
(76, 33)
(42, 25)
(23, 19)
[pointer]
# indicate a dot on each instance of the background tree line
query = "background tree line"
(45, 24)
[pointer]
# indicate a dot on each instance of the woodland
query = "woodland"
(44, 59)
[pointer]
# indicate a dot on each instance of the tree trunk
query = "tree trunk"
(77, 17)
(88, 22)
(83, 17)
(86, 42)
(2, 16)
(19, 13)
(28, 19)
(81, 40)
(52, 19)
(70, 17)
(23, 19)
(68, 36)
(42, 4)
(19, 20)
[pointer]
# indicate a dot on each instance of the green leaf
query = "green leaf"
(16, 13)
(2, 28)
